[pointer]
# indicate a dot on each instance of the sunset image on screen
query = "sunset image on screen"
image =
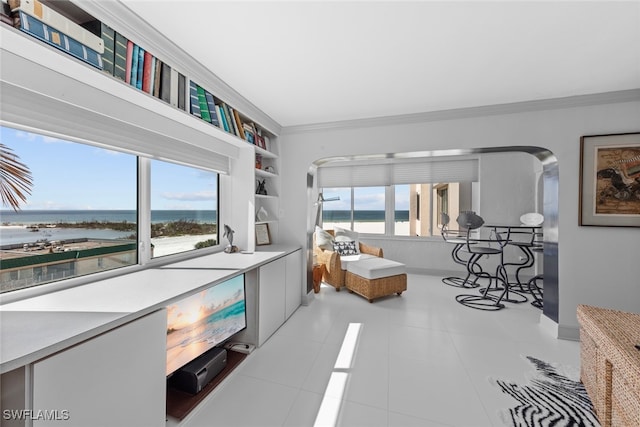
(204, 320)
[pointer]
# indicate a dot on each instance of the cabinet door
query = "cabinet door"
(271, 306)
(115, 379)
(293, 283)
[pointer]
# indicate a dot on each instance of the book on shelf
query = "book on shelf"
(223, 123)
(195, 102)
(59, 23)
(129, 63)
(165, 83)
(232, 114)
(173, 81)
(223, 117)
(43, 32)
(157, 78)
(249, 133)
(135, 57)
(5, 14)
(260, 141)
(227, 117)
(140, 75)
(152, 78)
(146, 71)
(239, 125)
(120, 57)
(202, 103)
(211, 104)
(108, 36)
(182, 92)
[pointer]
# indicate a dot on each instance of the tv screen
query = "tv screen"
(202, 321)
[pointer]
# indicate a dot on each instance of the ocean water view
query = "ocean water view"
(30, 217)
(14, 225)
(362, 215)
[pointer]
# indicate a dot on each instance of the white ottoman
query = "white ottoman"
(376, 277)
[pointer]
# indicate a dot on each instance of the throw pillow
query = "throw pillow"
(345, 248)
(324, 240)
(344, 235)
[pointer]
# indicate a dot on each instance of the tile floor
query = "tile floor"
(420, 359)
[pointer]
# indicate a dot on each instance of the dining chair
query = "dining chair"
(457, 238)
(478, 248)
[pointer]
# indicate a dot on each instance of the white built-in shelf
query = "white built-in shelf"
(265, 153)
(265, 174)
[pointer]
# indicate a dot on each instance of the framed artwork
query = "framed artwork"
(610, 180)
(260, 142)
(263, 237)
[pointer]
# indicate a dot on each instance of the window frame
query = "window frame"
(390, 192)
(143, 254)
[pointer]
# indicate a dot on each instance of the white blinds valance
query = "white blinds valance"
(37, 98)
(414, 171)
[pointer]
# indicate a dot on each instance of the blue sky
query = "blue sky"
(366, 198)
(69, 175)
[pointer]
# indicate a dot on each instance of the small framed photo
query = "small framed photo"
(260, 142)
(263, 237)
(610, 180)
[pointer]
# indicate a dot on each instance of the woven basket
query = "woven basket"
(610, 363)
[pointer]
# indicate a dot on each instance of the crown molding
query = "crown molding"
(118, 16)
(470, 112)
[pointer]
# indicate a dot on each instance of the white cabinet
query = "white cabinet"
(293, 284)
(271, 301)
(115, 379)
(280, 290)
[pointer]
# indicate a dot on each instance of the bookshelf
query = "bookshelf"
(266, 170)
(167, 75)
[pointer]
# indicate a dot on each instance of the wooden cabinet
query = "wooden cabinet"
(610, 364)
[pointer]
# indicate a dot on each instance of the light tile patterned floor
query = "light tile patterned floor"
(420, 359)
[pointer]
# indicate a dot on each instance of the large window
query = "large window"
(80, 214)
(369, 210)
(79, 218)
(397, 210)
(184, 208)
(401, 211)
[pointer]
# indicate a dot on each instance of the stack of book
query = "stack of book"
(212, 110)
(136, 66)
(49, 26)
(96, 43)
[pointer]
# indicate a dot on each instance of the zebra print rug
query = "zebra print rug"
(553, 397)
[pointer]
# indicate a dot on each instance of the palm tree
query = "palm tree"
(15, 179)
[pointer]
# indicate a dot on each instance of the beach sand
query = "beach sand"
(172, 245)
(402, 227)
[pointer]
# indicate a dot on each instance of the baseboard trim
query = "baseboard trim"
(570, 333)
(548, 325)
(308, 298)
(561, 332)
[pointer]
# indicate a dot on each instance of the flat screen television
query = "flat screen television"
(204, 320)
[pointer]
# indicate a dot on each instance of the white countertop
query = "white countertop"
(36, 327)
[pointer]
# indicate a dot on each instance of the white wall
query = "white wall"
(597, 265)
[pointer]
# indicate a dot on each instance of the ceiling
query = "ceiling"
(307, 62)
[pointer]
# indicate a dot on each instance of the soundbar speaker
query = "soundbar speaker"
(195, 375)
